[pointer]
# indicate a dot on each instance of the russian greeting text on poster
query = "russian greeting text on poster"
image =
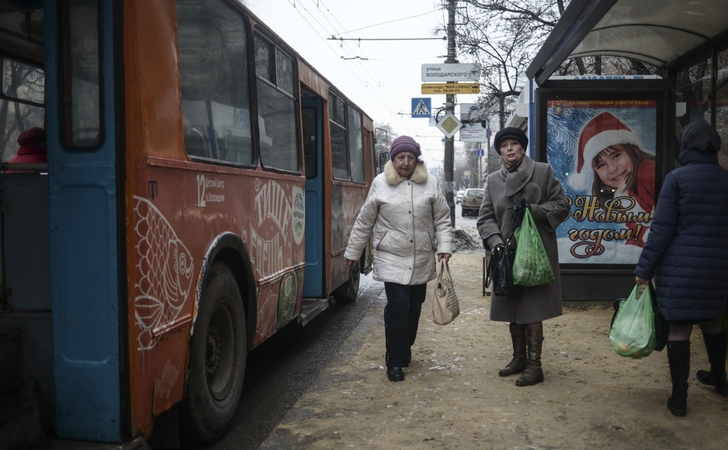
(603, 152)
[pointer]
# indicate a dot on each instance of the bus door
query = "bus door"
(85, 200)
(314, 285)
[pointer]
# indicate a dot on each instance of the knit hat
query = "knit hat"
(35, 135)
(513, 133)
(601, 132)
(404, 144)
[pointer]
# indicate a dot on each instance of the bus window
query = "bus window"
(339, 157)
(276, 107)
(82, 114)
(214, 75)
(356, 146)
(309, 142)
(21, 105)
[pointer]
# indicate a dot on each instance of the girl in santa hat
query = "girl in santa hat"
(621, 168)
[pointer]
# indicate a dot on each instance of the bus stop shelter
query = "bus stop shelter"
(687, 43)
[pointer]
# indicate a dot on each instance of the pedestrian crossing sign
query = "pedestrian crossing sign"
(421, 107)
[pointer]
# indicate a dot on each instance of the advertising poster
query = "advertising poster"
(603, 152)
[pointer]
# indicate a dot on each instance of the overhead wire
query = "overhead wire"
(357, 73)
(349, 67)
(378, 84)
(348, 32)
(360, 67)
(390, 21)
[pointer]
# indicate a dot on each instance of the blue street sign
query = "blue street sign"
(421, 107)
(481, 152)
(488, 133)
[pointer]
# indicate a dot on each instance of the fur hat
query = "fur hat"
(404, 144)
(600, 132)
(513, 133)
(35, 135)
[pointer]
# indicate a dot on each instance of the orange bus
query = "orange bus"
(200, 185)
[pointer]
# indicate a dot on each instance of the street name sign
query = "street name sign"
(451, 88)
(450, 72)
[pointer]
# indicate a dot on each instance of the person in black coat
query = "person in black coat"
(687, 253)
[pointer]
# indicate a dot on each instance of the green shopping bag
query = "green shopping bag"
(633, 329)
(531, 266)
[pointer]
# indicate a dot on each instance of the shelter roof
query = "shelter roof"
(669, 34)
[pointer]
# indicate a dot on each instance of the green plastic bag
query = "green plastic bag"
(633, 329)
(531, 266)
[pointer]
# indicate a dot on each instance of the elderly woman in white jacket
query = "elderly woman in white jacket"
(411, 222)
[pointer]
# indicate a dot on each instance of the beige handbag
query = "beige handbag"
(445, 307)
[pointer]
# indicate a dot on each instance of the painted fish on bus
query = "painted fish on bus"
(165, 272)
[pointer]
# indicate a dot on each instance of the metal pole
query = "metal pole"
(450, 107)
(501, 106)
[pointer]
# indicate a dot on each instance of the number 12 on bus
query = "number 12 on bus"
(200, 184)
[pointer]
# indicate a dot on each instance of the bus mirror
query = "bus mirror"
(383, 158)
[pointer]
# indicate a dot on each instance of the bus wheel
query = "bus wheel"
(347, 292)
(217, 359)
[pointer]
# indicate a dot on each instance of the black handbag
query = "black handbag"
(500, 272)
(660, 322)
(500, 269)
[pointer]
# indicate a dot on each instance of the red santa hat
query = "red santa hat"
(601, 132)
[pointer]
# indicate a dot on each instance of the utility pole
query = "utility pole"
(450, 107)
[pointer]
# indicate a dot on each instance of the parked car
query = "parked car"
(459, 196)
(471, 201)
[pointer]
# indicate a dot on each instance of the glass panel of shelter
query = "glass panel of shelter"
(721, 106)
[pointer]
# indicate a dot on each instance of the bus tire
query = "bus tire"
(347, 292)
(218, 351)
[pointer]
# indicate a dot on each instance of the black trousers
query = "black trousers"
(401, 319)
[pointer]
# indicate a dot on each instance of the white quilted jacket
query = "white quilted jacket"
(411, 223)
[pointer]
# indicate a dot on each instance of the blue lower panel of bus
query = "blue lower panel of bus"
(313, 285)
(86, 326)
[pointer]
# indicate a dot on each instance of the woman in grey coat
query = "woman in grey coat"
(521, 179)
(410, 222)
(687, 254)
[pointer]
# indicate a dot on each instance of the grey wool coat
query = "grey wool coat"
(535, 182)
(410, 221)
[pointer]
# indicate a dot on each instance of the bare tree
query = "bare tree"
(504, 36)
(384, 135)
(22, 107)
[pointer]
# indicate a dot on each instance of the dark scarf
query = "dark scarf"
(515, 166)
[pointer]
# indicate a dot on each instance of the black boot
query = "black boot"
(715, 345)
(518, 363)
(395, 374)
(678, 355)
(533, 373)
